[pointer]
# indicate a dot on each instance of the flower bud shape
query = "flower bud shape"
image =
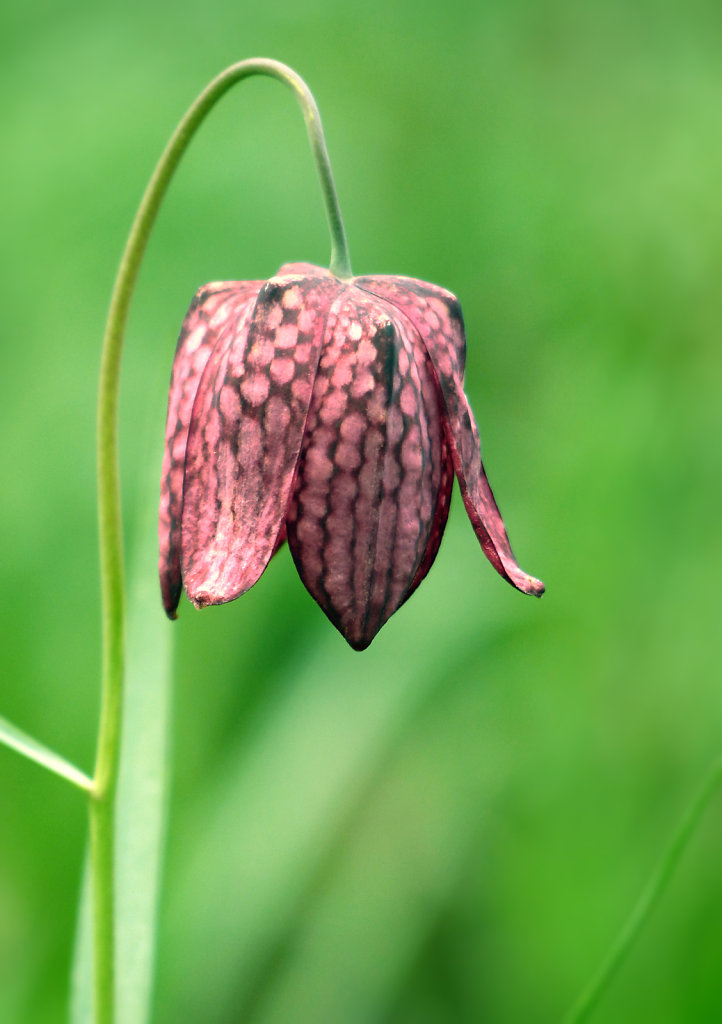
(330, 413)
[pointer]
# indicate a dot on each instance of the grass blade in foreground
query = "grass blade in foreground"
(140, 808)
(589, 998)
(81, 982)
(18, 740)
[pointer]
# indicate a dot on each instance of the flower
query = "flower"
(332, 413)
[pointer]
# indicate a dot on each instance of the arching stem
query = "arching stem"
(105, 778)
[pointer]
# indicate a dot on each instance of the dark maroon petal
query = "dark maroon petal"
(365, 500)
(430, 308)
(213, 315)
(479, 500)
(436, 314)
(436, 499)
(441, 515)
(246, 430)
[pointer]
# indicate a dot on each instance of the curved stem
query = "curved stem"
(109, 508)
(647, 901)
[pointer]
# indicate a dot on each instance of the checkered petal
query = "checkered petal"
(245, 436)
(366, 516)
(214, 317)
(436, 315)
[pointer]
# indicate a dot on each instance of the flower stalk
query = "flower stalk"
(105, 779)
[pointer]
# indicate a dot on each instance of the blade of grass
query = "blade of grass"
(81, 981)
(140, 805)
(35, 751)
(141, 799)
(655, 888)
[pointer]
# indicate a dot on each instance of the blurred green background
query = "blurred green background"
(453, 825)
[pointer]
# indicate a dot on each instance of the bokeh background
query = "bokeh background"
(453, 825)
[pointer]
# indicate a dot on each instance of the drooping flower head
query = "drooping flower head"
(330, 413)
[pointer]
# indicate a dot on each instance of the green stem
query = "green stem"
(109, 508)
(647, 901)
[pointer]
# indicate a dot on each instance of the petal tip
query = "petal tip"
(528, 584)
(170, 595)
(537, 587)
(358, 645)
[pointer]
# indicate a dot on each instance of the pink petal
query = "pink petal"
(213, 316)
(302, 270)
(436, 314)
(441, 515)
(364, 506)
(245, 437)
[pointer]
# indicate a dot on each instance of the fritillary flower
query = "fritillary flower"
(329, 412)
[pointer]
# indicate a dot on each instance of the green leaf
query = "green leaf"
(141, 802)
(81, 982)
(140, 806)
(18, 740)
